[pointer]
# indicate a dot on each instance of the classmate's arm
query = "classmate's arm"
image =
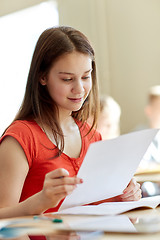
(13, 171)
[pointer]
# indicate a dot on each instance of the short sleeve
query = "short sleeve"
(23, 134)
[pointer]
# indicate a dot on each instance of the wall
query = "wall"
(9, 6)
(134, 37)
(126, 37)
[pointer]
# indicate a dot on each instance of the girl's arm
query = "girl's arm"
(13, 171)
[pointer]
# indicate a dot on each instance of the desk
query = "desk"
(46, 228)
(152, 174)
(151, 177)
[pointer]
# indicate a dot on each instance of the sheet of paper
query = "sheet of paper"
(109, 166)
(120, 223)
(112, 208)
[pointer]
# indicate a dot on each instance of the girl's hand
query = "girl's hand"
(57, 185)
(131, 193)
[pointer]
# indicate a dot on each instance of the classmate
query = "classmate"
(108, 123)
(152, 110)
(151, 159)
(43, 149)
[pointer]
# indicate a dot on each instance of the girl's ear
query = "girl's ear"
(43, 81)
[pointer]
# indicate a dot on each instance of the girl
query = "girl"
(43, 149)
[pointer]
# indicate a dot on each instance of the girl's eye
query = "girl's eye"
(86, 77)
(67, 79)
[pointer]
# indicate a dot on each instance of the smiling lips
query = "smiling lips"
(76, 100)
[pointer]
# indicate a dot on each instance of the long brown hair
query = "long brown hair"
(37, 103)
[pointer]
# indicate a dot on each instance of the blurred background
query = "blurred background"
(124, 33)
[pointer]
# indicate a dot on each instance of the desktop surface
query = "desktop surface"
(135, 224)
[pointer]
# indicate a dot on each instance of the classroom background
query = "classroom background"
(124, 33)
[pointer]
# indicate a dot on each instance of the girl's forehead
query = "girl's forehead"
(74, 60)
(74, 54)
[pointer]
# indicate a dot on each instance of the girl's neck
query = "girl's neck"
(65, 118)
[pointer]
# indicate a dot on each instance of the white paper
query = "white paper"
(120, 223)
(112, 208)
(108, 167)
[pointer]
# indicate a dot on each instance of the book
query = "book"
(112, 208)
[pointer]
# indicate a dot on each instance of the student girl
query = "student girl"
(44, 147)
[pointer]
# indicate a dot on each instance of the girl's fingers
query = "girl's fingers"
(132, 191)
(61, 177)
(66, 181)
(133, 197)
(63, 189)
(57, 185)
(132, 184)
(137, 196)
(58, 173)
(58, 182)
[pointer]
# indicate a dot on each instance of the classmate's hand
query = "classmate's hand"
(57, 185)
(132, 192)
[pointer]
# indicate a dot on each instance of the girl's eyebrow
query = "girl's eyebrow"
(73, 73)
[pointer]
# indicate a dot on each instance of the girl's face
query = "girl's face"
(69, 81)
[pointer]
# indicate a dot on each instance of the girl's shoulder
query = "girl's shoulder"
(22, 129)
(23, 123)
(23, 126)
(26, 133)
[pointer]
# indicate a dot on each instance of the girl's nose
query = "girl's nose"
(78, 87)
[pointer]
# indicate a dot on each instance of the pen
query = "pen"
(54, 220)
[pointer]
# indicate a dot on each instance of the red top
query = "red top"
(40, 151)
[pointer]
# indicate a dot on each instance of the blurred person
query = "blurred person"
(108, 123)
(151, 159)
(152, 112)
